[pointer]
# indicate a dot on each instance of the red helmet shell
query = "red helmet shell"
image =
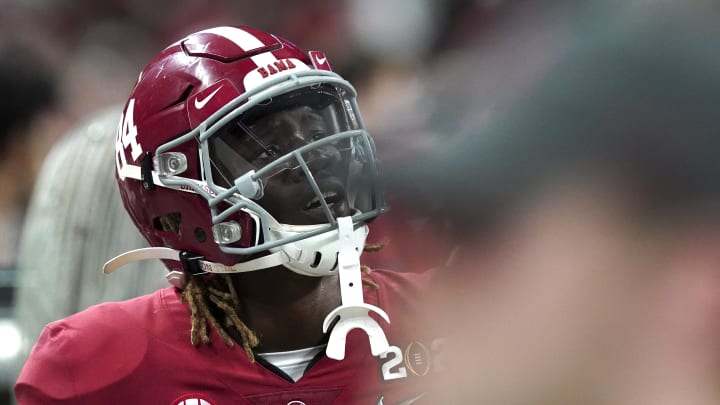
(175, 93)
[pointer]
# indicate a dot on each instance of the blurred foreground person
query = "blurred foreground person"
(589, 224)
(245, 164)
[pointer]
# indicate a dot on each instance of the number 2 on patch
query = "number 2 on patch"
(128, 132)
(390, 369)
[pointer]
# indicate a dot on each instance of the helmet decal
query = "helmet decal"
(207, 101)
(127, 138)
(272, 70)
(319, 60)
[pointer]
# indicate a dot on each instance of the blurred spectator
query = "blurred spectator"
(28, 94)
(29, 98)
(589, 265)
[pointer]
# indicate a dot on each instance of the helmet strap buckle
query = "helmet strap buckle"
(146, 167)
(191, 263)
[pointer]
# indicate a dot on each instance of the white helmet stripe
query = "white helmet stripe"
(246, 41)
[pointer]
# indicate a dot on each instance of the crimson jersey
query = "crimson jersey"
(139, 352)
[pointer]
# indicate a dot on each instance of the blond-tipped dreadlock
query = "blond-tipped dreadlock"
(371, 248)
(375, 247)
(219, 291)
(200, 292)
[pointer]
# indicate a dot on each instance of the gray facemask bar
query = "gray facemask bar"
(234, 109)
(238, 203)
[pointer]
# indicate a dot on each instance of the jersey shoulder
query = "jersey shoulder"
(400, 294)
(97, 347)
(394, 287)
(401, 280)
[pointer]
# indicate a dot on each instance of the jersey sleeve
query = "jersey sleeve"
(88, 357)
(401, 288)
(47, 377)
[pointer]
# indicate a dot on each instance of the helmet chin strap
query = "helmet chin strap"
(354, 312)
(177, 278)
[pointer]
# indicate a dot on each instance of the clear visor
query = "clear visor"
(310, 166)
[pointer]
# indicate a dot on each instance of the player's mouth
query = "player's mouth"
(334, 196)
(330, 197)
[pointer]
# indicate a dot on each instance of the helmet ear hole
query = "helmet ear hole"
(168, 222)
(316, 262)
(199, 235)
(337, 260)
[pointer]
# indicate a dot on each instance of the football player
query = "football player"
(245, 164)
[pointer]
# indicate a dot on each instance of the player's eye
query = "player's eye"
(270, 151)
(317, 134)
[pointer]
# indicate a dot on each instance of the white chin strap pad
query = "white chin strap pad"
(317, 255)
(177, 278)
(354, 312)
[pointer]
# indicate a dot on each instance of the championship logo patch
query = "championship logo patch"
(416, 359)
(193, 399)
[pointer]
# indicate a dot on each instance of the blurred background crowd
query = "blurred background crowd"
(429, 73)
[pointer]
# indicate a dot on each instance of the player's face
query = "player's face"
(288, 194)
(282, 139)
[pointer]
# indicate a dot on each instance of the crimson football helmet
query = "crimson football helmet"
(237, 151)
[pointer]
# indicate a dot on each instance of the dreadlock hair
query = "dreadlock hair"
(371, 248)
(208, 296)
(375, 247)
(199, 293)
